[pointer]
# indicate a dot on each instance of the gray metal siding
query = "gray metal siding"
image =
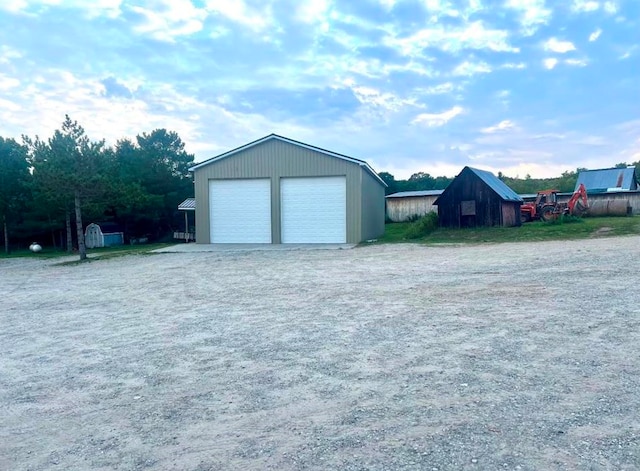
(372, 207)
(276, 159)
(403, 209)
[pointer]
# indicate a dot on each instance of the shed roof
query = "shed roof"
(270, 137)
(107, 227)
(493, 182)
(410, 194)
(497, 185)
(608, 178)
(187, 205)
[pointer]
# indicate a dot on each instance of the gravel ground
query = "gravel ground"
(393, 357)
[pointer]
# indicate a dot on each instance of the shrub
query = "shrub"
(422, 227)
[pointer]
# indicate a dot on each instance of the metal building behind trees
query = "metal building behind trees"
(608, 180)
(406, 205)
(478, 198)
(277, 190)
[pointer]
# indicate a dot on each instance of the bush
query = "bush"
(422, 227)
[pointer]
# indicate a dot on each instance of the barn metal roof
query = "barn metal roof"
(359, 162)
(607, 179)
(187, 205)
(496, 185)
(409, 194)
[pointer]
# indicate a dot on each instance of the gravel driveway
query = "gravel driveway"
(392, 357)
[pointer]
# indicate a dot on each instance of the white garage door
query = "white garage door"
(240, 211)
(314, 210)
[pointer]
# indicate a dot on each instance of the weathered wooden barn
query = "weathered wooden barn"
(405, 205)
(277, 190)
(478, 198)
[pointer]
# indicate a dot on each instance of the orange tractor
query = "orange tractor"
(547, 207)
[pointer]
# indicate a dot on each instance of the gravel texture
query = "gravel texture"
(392, 357)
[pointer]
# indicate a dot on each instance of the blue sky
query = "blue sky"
(519, 86)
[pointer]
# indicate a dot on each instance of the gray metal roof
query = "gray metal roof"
(187, 205)
(359, 162)
(608, 178)
(409, 194)
(496, 185)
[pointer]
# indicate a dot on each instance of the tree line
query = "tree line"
(421, 181)
(49, 189)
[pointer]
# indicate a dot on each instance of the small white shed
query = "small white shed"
(102, 235)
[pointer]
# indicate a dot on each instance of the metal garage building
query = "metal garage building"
(277, 190)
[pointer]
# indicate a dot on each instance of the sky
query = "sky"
(522, 87)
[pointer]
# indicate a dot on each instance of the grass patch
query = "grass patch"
(94, 254)
(569, 229)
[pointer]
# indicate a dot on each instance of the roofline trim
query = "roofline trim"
(232, 152)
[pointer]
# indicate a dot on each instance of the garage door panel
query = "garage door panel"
(313, 210)
(240, 211)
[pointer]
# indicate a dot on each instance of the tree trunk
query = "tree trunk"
(82, 249)
(6, 234)
(69, 235)
(53, 233)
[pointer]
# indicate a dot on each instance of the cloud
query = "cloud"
(629, 52)
(468, 69)
(439, 89)
(533, 14)
(14, 6)
(588, 6)
(114, 88)
(501, 126)
(550, 63)
(7, 82)
(387, 101)
(595, 35)
(472, 36)
(169, 19)
(560, 47)
(585, 5)
(313, 11)
(437, 119)
(237, 11)
(387, 4)
(7, 54)
(514, 65)
(92, 9)
(576, 62)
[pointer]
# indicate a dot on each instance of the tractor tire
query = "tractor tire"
(525, 217)
(548, 213)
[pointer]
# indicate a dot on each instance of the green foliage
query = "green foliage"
(14, 184)
(565, 183)
(422, 227)
(136, 184)
(532, 231)
(417, 182)
(424, 181)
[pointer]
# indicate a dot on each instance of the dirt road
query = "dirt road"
(394, 357)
